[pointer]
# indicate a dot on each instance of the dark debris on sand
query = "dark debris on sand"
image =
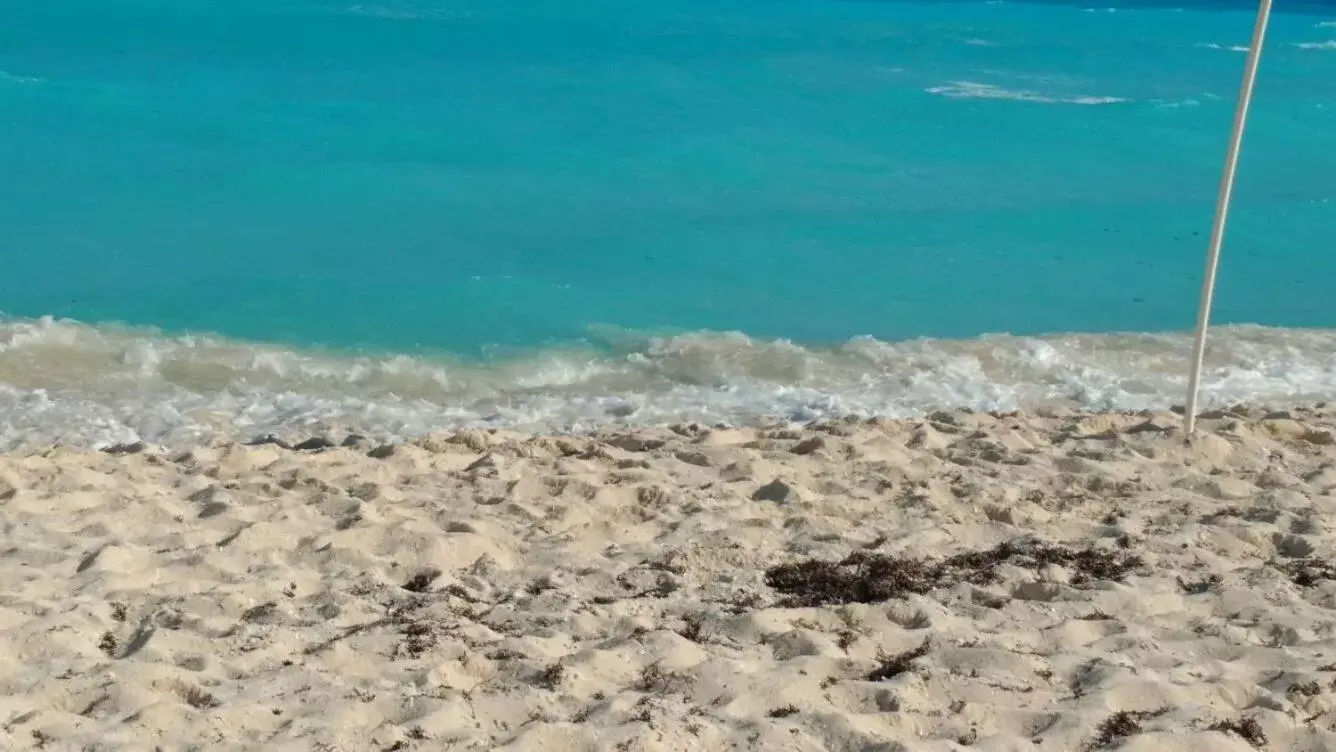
(1308, 572)
(889, 667)
(1121, 725)
(864, 577)
(1248, 728)
(421, 581)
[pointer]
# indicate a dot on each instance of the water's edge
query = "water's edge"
(92, 386)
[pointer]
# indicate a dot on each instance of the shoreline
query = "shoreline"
(95, 386)
(313, 441)
(1037, 580)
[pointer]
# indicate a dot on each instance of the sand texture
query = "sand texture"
(1050, 581)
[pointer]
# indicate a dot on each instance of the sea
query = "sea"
(222, 219)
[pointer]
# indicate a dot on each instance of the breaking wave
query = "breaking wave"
(972, 90)
(67, 382)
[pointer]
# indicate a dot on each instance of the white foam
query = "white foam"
(13, 78)
(1230, 48)
(974, 90)
(66, 382)
(1179, 103)
(401, 14)
(380, 11)
(1330, 44)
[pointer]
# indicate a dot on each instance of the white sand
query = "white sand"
(251, 597)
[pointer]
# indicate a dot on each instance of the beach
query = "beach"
(1048, 579)
(448, 374)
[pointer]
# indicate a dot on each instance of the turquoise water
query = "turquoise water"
(542, 211)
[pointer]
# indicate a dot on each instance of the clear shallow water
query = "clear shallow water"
(485, 191)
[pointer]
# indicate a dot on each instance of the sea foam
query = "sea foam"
(973, 90)
(67, 382)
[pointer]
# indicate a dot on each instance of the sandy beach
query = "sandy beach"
(1051, 580)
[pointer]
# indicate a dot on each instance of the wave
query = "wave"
(67, 382)
(1330, 44)
(1231, 48)
(1164, 104)
(13, 78)
(400, 14)
(972, 90)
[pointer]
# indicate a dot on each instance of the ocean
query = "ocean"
(226, 219)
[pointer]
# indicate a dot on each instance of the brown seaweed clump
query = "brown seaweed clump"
(1248, 728)
(864, 577)
(1121, 725)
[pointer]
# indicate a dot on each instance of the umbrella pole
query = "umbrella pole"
(1222, 214)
